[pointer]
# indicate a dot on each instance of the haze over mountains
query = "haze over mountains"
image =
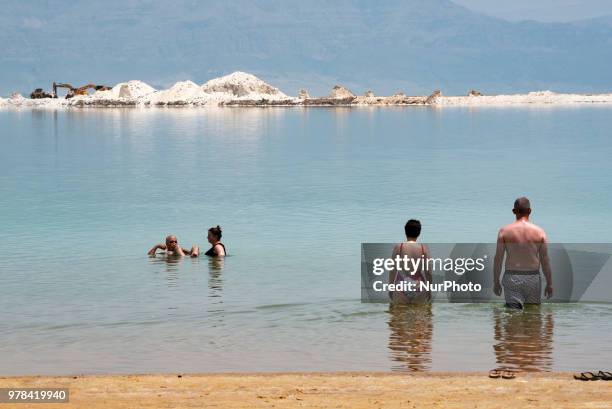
(409, 45)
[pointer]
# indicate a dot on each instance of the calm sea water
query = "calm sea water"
(85, 193)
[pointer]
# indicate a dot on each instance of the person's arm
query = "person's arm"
(396, 296)
(427, 270)
(195, 251)
(155, 248)
(497, 263)
(393, 272)
(179, 251)
(220, 250)
(545, 262)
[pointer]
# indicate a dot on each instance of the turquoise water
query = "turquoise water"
(85, 193)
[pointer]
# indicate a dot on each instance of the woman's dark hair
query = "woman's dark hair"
(412, 228)
(216, 231)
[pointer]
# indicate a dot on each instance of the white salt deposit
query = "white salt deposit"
(127, 90)
(181, 92)
(532, 98)
(234, 87)
(339, 92)
(18, 101)
(303, 94)
(241, 86)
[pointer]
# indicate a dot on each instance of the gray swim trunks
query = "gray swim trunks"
(522, 287)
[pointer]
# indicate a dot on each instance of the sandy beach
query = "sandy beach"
(321, 390)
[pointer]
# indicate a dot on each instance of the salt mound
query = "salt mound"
(243, 86)
(17, 98)
(339, 92)
(433, 98)
(18, 101)
(303, 94)
(369, 94)
(133, 89)
(182, 92)
(541, 94)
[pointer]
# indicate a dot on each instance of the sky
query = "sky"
(541, 10)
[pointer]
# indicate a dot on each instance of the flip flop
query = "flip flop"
(605, 376)
(587, 376)
(508, 375)
(494, 374)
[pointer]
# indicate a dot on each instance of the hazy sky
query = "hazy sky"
(541, 10)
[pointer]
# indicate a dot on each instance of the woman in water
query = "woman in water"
(214, 238)
(415, 251)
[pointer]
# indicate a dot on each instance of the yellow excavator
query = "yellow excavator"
(72, 91)
(39, 93)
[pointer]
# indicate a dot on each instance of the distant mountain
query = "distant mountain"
(409, 45)
(598, 21)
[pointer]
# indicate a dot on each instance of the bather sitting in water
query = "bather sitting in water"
(214, 238)
(172, 248)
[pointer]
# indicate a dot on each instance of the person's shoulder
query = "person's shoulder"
(504, 229)
(537, 229)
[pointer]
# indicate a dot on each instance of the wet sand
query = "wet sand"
(316, 390)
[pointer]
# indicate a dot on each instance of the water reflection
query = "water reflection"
(524, 339)
(215, 308)
(170, 262)
(171, 267)
(411, 332)
(215, 280)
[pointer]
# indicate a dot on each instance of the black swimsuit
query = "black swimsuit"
(213, 253)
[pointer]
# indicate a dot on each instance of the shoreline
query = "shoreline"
(241, 89)
(518, 101)
(327, 389)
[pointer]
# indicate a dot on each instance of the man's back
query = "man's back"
(523, 241)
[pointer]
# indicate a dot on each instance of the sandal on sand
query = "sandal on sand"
(508, 375)
(494, 374)
(587, 376)
(604, 375)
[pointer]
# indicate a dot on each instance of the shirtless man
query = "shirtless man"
(526, 248)
(173, 249)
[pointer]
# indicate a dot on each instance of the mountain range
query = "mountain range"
(414, 46)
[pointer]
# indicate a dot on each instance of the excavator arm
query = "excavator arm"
(72, 91)
(57, 85)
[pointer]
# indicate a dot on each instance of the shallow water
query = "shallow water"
(85, 193)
